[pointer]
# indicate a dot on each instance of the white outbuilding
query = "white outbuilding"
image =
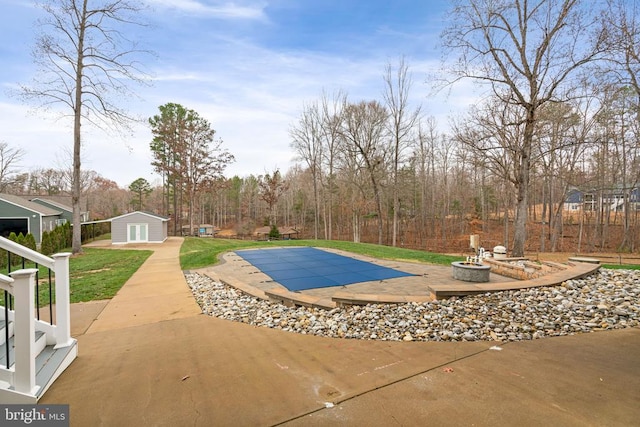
(139, 227)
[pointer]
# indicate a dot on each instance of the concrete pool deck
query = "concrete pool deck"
(148, 357)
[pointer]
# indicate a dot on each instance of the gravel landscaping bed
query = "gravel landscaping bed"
(608, 299)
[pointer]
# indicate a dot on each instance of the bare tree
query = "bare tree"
(424, 157)
(402, 125)
(561, 143)
(331, 126)
(86, 63)
(19, 183)
(528, 52)
(622, 20)
(623, 23)
(249, 210)
(363, 129)
(307, 142)
(272, 187)
(48, 182)
(352, 189)
(107, 199)
(9, 158)
(490, 132)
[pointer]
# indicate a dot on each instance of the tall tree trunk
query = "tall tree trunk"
(329, 234)
(522, 187)
(316, 202)
(76, 241)
(396, 206)
(378, 200)
(355, 218)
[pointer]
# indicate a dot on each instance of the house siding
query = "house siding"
(39, 217)
(66, 213)
(155, 230)
(119, 231)
(11, 211)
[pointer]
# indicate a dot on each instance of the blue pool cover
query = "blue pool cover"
(308, 268)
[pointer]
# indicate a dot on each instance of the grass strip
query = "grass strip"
(197, 252)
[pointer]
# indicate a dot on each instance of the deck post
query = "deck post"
(63, 308)
(24, 331)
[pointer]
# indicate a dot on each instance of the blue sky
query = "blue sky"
(247, 66)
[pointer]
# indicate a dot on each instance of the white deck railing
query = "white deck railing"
(21, 285)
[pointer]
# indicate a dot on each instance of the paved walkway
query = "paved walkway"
(149, 358)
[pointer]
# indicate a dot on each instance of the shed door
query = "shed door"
(137, 233)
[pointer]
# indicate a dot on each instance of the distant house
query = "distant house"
(610, 199)
(139, 227)
(286, 233)
(201, 230)
(20, 215)
(574, 200)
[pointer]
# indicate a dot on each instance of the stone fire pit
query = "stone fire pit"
(470, 271)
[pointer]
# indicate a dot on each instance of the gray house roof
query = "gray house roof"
(31, 206)
(574, 196)
(52, 203)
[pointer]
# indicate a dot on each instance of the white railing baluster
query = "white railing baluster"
(63, 315)
(24, 330)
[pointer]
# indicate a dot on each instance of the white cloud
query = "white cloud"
(250, 90)
(222, 10)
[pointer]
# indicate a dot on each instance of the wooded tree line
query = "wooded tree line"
(561, 111)
(450, 185)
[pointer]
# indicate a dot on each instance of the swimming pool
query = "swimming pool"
(303, 268)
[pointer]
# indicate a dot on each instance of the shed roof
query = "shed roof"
(150, 214)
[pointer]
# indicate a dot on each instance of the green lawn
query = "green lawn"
(622, 266)
(202, 252)
(94, 275)
(100, 273)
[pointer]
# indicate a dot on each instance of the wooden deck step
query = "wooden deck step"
(40, 345)
(51, 362)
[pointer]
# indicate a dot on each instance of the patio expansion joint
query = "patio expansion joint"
(346, 398)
